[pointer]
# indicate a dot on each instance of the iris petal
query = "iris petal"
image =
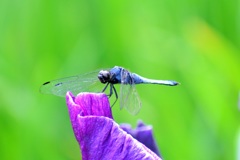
(144, 134)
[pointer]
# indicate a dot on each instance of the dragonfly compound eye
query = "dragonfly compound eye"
(104, 76)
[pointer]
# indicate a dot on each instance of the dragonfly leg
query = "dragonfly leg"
(110, 93)
(105, 87)
(115, 92)
(112, 89)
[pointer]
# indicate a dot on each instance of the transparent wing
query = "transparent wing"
(81, 83)
(129, 98)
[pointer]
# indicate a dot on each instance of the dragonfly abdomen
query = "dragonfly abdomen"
(139, 79)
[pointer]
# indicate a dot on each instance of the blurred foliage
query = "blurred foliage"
(193, 42)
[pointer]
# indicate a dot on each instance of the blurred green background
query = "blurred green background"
(195, 42)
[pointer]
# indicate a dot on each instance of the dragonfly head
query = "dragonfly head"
(104, 76)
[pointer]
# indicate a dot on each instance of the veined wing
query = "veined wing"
(81, 83)
(129, 98)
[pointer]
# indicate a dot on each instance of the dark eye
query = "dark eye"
(104, 76)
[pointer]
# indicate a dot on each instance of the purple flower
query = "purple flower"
(98, 135)
(144, 134)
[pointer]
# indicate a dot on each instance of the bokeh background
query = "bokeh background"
(195, 42)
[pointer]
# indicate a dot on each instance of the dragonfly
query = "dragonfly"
(100, 80)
